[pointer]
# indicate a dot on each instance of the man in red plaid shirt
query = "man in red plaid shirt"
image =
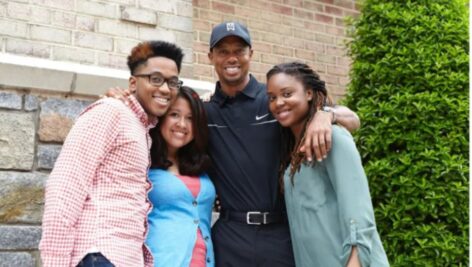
(96, 195)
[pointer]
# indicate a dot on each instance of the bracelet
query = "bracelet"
(331, 110)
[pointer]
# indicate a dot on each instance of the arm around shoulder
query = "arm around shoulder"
(346, 118)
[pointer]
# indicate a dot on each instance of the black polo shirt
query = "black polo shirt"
(244, 147)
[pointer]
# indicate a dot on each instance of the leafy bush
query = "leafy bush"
(409, 85)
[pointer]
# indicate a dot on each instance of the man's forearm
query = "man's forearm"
(347, 118)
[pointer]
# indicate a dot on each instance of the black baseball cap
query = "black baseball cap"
(230, 28)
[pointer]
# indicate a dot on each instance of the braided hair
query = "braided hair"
(310, 81)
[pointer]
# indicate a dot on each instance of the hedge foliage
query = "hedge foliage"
(410, 87)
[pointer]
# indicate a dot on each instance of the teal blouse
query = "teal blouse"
(330, 209)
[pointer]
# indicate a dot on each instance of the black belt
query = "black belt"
(254, 217)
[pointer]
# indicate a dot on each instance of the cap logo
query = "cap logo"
(230, 26)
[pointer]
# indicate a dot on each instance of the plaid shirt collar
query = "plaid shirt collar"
(135, 106)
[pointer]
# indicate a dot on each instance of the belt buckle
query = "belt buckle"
(264, 217)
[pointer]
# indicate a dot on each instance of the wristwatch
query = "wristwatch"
(332, 110)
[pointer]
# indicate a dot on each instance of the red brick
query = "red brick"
(343, 61)
(335, 30)
(203, 25)
(302, 14)
(262, 47)
(340, 22)
(323, 38)
(202, 58)
(307, 35)
(314, 26)
(335, 51)
(315, 47)
(313, 6)
(294, 3)
(292, 21)
(294, 42)
(260, 67)
(214, 17)
(333, 10)
(271, 59)
(330, 79)
(247, 12)
(338, 70)
(282, 9)
(200, 47)
(304, 54)
(324, 18)
(201, 3)
(344, 3)
(203, 70)
(283, 51)
(327, 1)
(225, 8)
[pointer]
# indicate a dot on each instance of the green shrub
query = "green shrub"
(409, 85)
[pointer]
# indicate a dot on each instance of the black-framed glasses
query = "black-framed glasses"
(157, 79)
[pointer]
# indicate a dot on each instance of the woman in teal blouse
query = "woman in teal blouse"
(329, 207)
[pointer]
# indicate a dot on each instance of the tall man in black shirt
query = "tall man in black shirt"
(244, 146)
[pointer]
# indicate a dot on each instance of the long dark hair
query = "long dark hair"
(193, 158)
(311, 81)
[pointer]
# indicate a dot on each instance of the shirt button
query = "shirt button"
(206, 238)
(194, 203)
(353, 221)
(208, 259)
(196, 221)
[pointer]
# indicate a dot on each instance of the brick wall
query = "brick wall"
(282, 30)
(91, 31)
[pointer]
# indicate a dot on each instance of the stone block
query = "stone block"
(159, 5)
(19, 237)
(124, 46)
(85, 23)
(184, 9)
(92, 40)
(89, 84)
(113, 27)
(18, 11)
(21, 197)
(138, 15)
(40, 15)
(23, 47)
(10, 100)
(47, 155)
(146, 33)
(12, 28)
(16, 150)
(15, 259)
(174, 22)
(57, 117)
(31, 102)
(49, 34)
(63, 20)
(101, 9)
(113, 61)
(56, 4)
(83, 56)
(35, 77)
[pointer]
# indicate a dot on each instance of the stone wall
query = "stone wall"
(33, 127)
(312, 31)
(93, 32)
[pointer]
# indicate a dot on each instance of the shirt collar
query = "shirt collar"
(136, 107)
(250, 91)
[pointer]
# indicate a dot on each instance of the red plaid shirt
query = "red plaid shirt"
(96, 195)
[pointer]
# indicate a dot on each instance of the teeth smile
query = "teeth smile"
(161, 100)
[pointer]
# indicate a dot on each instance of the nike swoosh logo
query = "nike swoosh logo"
(258, 118)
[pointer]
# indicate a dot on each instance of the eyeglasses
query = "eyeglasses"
(156, 79)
